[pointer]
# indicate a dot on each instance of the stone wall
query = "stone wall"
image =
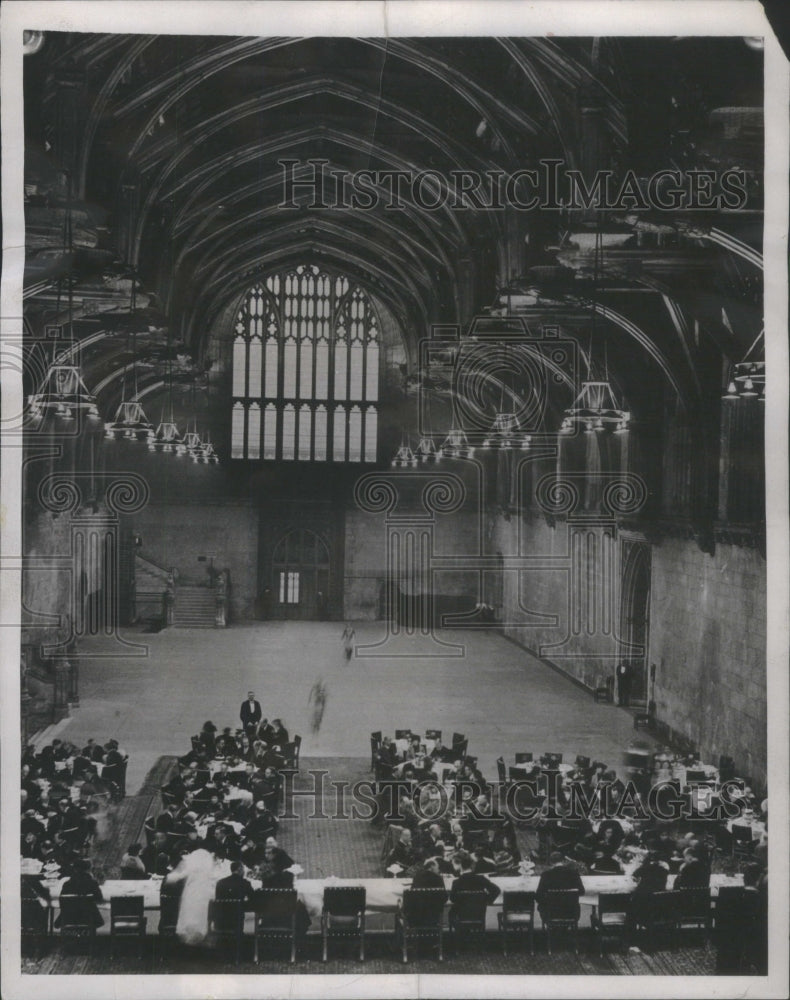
(562, 603)
(707, 628)
(177, 534)
(365, 574)
(708, 642)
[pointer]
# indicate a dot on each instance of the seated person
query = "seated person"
(82, 883)
(467, 881)
(605, 864)
(262, 823)
(441, 754)
(610, 836)
(427, 876)
(158, 846)
(266, 788)
(226, 745)
(386, 758)
(275, 734)
(131, 863)
(650, 877)
(283, 879)
(482, 863)
(559, 876)
(275, 861)
(403, 853)
(234, 886)
(694, 872)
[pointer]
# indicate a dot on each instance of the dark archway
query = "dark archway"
(635, 616)
(301, 568)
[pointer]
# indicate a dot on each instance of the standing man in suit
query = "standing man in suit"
(250, 714)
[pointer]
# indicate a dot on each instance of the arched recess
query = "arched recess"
(635, 616)
(300, 575)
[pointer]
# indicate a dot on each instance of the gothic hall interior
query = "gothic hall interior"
(405, 382)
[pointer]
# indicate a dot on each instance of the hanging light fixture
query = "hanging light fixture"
(456, 444)
(404, 457)
(596, 409)
(63, 394)
(427, 451)
(747, 378)
(166, 437)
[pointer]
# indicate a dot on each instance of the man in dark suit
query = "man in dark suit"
(559, 876)
(82, 883)
(250, 714)
(234, 886)
(428, 877)
(467, 881)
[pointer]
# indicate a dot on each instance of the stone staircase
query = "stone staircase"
(195, 607)
(150, 583)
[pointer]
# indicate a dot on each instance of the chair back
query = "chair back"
(168, 914)
(518, 902)
(614, 902)
(76, 911)
(523, 758)
(729, 897)
(469, 907)
(560, 904)
(34, 917)
(423, 907)
(376, 736)
(433, 734)
(693, 903)
(458, 738)
(582, 762)
(551, 760)
(402, 734)
(501, 769)
(663, 907)
(126, 906)
(275, 908)
(742, 832)
(344, 901)
(226, 916)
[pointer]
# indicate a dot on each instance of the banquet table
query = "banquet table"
(382, 895)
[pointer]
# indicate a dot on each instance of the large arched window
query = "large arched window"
(305, 370)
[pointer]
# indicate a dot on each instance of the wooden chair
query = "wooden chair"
(433, 734)
(610, 918)
(517, 916)
(468, 917)
(127, 919)
(582, 762)
(694, 911)
(343, 915)
(275, 918)
(458, 738)
(742, 841)
(419, 917)
(660, 917)
(501, 770)
(35, 925)
(226, 922)
(168, 915)
(402, 734)
(77, 918)
(559, 910)
(523, 758)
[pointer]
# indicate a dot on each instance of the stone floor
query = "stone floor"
(496, 693)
